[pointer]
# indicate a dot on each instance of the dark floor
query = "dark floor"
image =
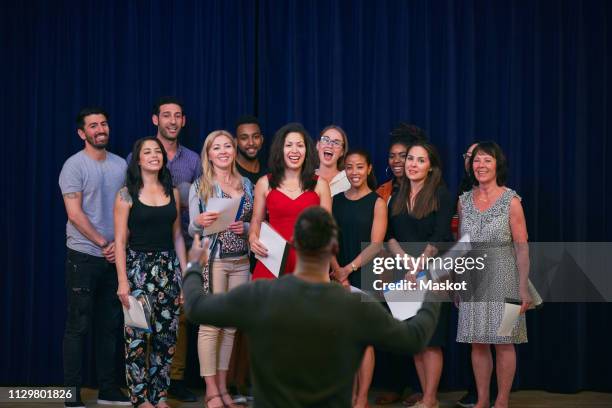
(520, 399)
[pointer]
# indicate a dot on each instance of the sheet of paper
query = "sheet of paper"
(511, 315)
(339, 184)
(227, 208)
(356, 290)
(404, 304)
(135, 316)
(535, 296)
(459, 249)
(277, 249)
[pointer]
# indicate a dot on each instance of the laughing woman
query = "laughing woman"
(147, 220)
(290, 187)
(331, 148)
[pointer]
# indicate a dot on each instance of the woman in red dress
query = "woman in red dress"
(290, 187)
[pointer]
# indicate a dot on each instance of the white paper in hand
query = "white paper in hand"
(511, 315)
(458, 250)
(278, 249)
(404, 304)
(227, 209)
(135, 316)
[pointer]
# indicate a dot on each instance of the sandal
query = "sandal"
(230, 405)
(212, 397)
(412, 399)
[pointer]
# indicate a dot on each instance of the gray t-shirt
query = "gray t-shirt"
(99, 182)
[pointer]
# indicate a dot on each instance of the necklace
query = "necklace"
(483, 198)
(290, 190)
(229, 183)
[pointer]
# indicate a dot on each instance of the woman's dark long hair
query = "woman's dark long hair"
(426, 200)
(371, 180)
(133, 179)
(276, 162)
(405, 134)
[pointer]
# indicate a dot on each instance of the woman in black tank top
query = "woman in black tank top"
(149, 248)
(362, 217)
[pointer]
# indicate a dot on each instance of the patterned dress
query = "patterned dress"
(482, 308)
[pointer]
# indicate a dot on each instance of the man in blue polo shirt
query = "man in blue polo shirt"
(185, 167)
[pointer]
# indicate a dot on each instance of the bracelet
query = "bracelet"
(105, 244)
(353, 267)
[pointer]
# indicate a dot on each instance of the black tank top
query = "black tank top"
(151, 227)
(355, 219)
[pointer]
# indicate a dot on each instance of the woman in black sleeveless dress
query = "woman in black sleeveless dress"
(420, 216)
(362, 217)
(147, 221)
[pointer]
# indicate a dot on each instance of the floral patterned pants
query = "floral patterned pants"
(156, 275)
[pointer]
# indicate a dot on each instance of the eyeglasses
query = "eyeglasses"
(466, 156)
(337, 144)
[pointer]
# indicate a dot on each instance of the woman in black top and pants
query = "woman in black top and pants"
(147, 211)
(420, 213)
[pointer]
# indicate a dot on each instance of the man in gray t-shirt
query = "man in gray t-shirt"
(97, 182)
(89, 181)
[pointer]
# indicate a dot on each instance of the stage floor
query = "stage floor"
(520, 399)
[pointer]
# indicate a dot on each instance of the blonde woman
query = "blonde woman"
(229, 253)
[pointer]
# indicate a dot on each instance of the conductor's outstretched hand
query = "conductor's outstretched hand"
(199, 251)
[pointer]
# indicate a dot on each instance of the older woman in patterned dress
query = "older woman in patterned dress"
(493, 217)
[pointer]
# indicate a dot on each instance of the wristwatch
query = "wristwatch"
(193, 265)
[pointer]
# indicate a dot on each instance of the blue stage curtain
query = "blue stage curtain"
(532, 75)
(122, 55)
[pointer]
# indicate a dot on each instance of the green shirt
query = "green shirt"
(306, 339)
